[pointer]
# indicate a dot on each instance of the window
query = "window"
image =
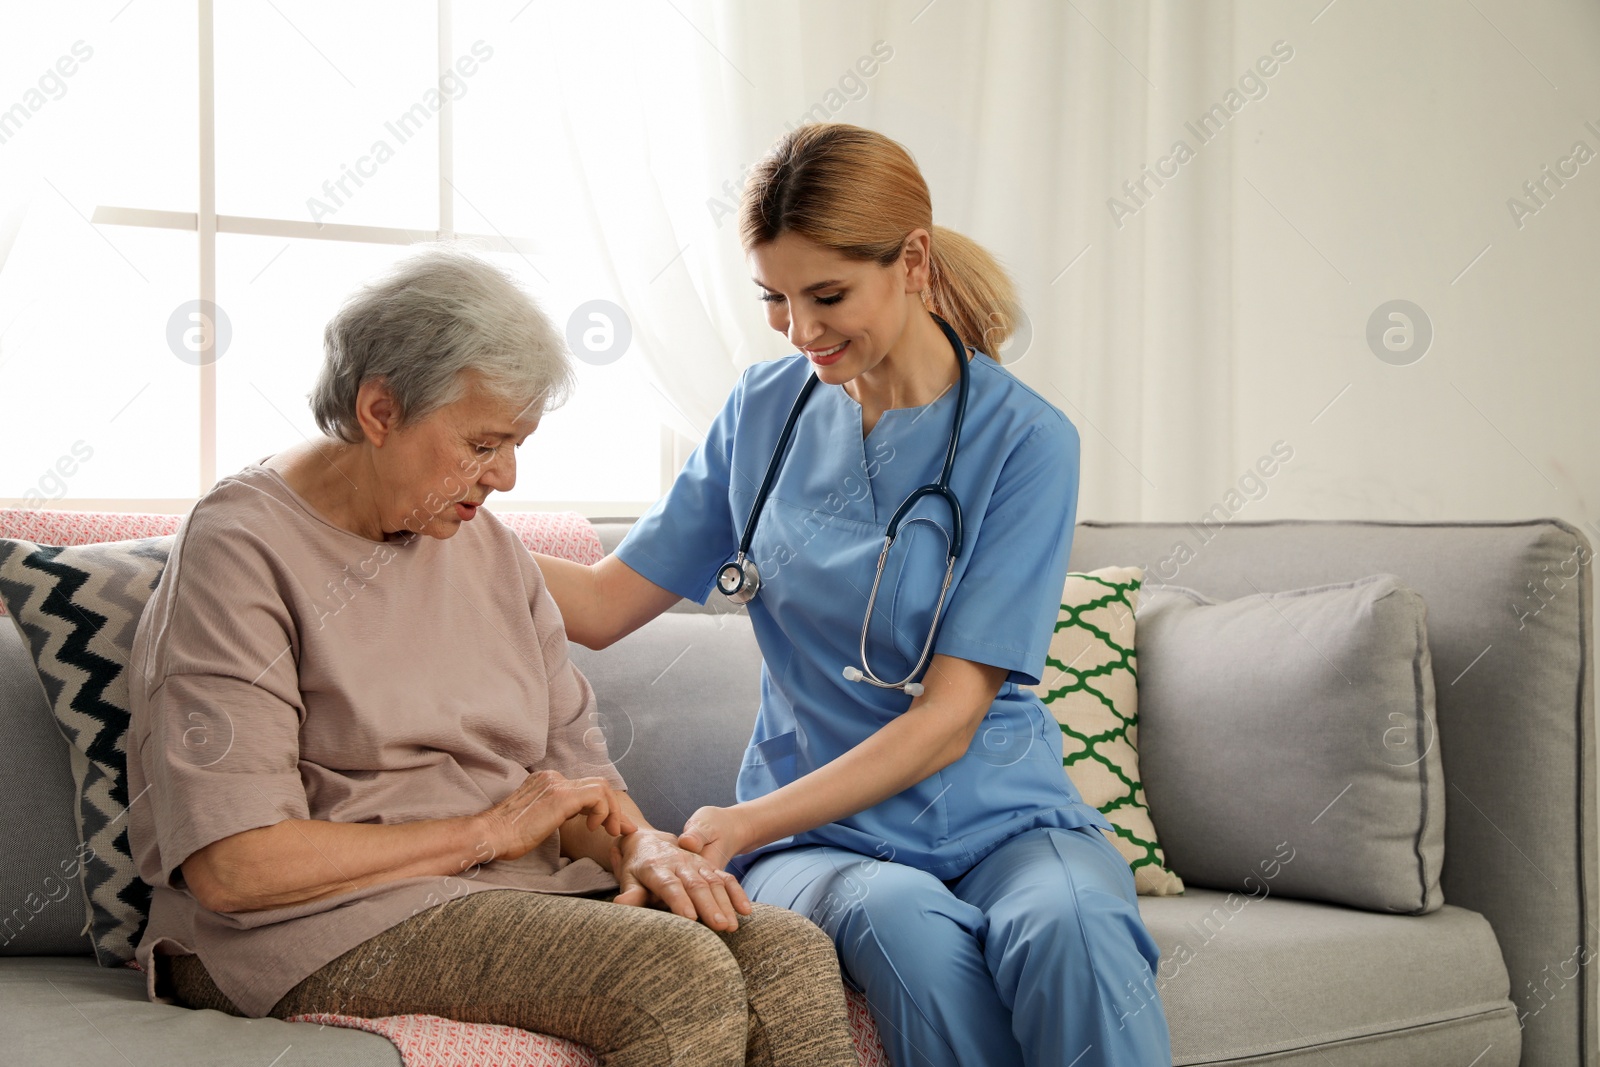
(341, 133)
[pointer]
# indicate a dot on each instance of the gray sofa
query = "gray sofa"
(1502, 974)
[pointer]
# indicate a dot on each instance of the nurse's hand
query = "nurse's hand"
(651, 868)
(717, 834)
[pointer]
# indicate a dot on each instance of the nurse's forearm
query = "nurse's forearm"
(572, 586)
(892, 760)
(602, 603)
(933, 734)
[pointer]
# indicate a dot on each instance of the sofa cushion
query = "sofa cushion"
(1300, 720)
(431, 1041)
(78, 609)
(1258, 979)
(69, 1011)
(1090, 684)
(42, 897)
(46, 1005)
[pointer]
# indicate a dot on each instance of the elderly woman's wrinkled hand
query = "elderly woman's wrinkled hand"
(652, 870)
(543, 802)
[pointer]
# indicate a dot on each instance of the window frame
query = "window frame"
(207, 224)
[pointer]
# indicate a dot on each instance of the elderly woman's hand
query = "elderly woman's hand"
(652, 869)
(543, 802)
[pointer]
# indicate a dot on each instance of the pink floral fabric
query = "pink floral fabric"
(46, 527)
(864, 1032)
(429, 1041)
(554, 533)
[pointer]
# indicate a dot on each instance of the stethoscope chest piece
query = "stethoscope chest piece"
(739, 581)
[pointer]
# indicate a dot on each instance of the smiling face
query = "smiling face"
(849, 316)
(434, 473)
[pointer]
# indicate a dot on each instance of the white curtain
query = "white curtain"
(1026, 119)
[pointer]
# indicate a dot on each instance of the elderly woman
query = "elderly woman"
(368, 777)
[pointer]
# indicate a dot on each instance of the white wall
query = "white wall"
(1392, 143)
(1227, 312)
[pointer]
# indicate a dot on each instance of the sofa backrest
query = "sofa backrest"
(1510, 616)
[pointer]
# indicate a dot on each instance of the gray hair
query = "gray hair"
(436, 314)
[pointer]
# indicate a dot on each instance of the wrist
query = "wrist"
(625, 848)
(754, 819)
(645, 835)
(481, 837)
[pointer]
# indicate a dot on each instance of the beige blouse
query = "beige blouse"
(288, 668)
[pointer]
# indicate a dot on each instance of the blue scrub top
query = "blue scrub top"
(817, 544)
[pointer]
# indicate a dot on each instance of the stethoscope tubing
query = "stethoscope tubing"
(740, 580)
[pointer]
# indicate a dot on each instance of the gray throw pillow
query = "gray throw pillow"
(42, 905)
(1289, 745)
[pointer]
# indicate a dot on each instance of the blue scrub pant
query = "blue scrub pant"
(1028, 958)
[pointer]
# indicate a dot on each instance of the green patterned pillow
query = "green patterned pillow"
(1090, 685)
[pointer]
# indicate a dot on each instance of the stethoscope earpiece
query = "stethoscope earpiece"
(853, 674)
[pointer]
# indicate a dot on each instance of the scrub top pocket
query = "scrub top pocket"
(769, 764)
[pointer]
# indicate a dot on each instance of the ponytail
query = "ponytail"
(860, 193)
(971, 292)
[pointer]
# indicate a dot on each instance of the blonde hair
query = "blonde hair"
(860, 194)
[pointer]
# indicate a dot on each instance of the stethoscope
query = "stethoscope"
(740, 581)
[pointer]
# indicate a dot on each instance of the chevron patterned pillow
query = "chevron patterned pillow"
(1090, 685)
(77, 609)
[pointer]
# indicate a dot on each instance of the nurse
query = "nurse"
(928, 829)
